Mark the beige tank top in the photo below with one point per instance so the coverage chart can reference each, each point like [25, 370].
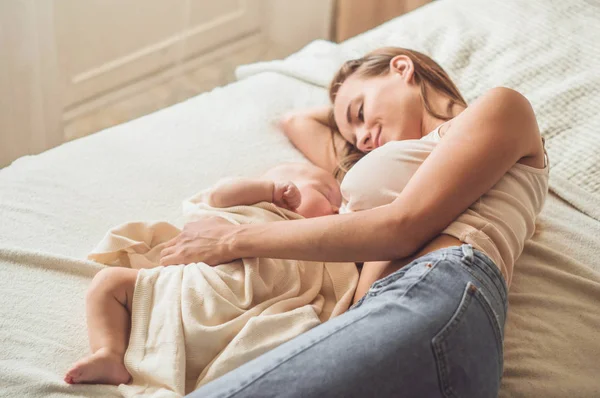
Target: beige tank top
[498, 223]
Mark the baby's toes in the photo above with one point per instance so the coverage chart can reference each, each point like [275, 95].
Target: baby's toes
[73, 374]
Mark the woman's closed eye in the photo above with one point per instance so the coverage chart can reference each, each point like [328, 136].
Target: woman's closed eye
[361, 115]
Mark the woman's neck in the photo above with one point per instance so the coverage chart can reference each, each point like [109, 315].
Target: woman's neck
[440, 104]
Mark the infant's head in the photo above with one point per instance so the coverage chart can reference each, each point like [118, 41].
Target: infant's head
[320, 191]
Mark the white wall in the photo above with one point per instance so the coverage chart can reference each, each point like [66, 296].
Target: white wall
[30, 103]
[45, 90]
[293, 24]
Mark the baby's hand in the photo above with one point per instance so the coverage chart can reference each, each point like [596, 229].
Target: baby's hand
[287, 195]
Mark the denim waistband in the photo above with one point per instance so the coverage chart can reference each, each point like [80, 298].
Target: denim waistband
[480, 266]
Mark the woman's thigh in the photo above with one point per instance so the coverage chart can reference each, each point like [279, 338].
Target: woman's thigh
[424, 331]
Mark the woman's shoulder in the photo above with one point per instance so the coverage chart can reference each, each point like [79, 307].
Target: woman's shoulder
[505, 93]
[504, 103]
[510, 106]
[500, 102]
[500, 99]
[506, 115]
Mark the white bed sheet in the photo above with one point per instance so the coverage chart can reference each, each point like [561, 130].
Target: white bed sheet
[54, 207]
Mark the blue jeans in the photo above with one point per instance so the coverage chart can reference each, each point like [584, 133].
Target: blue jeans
[434, 328]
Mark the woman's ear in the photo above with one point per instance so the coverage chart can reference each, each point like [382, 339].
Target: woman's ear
[403, 65]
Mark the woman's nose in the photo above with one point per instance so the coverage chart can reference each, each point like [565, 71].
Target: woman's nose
[364, 142]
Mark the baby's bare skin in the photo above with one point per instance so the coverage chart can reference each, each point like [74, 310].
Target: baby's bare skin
[108, 303]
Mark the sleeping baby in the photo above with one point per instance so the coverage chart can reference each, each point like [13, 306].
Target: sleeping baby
[137, 318]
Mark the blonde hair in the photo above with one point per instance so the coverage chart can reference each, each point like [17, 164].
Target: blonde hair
[376, 63]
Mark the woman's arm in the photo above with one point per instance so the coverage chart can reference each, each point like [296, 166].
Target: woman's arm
[480, 146]
[310, 132]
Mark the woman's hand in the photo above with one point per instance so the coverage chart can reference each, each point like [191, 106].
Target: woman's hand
[200, 241]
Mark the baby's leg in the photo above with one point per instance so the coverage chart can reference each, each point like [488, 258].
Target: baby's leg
[108, 307]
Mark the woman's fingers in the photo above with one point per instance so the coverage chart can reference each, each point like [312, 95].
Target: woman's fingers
[171, 259]
[167, 251]
[172, 242]
[198, 242]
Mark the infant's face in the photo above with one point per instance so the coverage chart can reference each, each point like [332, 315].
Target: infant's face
[319, 198]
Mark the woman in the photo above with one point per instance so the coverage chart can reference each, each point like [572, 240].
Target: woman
[431, 323]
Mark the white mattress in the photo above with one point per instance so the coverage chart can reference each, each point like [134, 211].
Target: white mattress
[54, 207]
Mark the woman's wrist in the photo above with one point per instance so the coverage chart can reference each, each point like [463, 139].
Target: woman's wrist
[236, 243]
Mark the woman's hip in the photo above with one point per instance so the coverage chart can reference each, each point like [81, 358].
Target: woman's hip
[373, 271]
[453, 300]
[443, 270]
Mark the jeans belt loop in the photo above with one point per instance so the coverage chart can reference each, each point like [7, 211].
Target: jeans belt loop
[467, 254]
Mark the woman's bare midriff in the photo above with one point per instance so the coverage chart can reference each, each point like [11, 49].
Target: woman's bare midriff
[375, 270]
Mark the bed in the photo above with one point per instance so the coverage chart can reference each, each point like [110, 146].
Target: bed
[56, 206]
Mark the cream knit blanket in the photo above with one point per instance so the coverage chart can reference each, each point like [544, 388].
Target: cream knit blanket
[193, 323]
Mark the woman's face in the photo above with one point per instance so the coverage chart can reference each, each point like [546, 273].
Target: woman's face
[371, 111]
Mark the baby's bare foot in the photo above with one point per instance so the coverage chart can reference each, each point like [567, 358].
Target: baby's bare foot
[102, 367]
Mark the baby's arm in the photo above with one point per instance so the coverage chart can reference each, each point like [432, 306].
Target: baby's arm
[243, 191]
[236, 192]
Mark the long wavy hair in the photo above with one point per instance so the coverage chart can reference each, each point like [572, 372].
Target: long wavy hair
[427, 73]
